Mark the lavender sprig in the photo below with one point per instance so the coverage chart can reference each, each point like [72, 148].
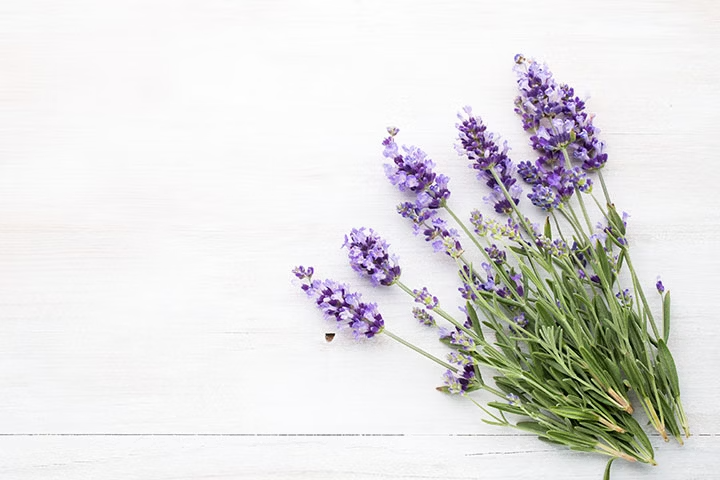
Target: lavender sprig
[483, 150]
[338, 303]
[413, 172]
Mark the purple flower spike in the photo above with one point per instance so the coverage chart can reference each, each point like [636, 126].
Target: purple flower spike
[560, 127]
[338, 303]
[412, 171]
[368, 255]
[479, 145]
[434, 229]
[485, 153]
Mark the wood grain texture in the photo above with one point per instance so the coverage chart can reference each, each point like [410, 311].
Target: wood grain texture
[163, 165]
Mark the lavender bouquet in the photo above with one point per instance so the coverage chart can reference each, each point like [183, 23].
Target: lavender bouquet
[546, 314]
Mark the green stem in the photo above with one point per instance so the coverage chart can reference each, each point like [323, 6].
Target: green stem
[474, 239]
[419, 350]
[604, 187]
[462, 225]
[568, 165]
[510, 200]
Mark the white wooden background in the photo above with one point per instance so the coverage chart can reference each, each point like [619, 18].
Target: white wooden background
[165, 163]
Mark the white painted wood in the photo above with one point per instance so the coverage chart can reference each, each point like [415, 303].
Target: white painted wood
[164, 164]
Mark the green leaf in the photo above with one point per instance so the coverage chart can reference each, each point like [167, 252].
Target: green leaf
[474, 319]
[532, 427]
[548, 228]
[607, 468]
[506, 407]
[507, 386]
[601, 309]
[544, 312]
[612, 368]
[574, 413]
[666, 316]
[520, 251]
[583, 449]
[594, 367]
[548, 440]
[633, 427]
[529, 273]
[666, 358]
[542, 398]
[621, 259]
[602, 259]
[571, 440]
[615, 220]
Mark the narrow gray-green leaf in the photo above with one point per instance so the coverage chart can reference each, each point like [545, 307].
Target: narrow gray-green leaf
[666, 316]
[607, 468]
[532, 427]
[474, 319]
[666, 358]
[548, 228]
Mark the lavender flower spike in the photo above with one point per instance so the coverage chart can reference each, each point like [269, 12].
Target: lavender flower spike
[338, 303]
[556, 115]
[434, 229]
[483, 150]
[562, 132]
[413, 171]
[368, 255]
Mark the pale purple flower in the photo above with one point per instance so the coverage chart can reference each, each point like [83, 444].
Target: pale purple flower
[486, 155]
[338, 303]
[560, 126]
[412, 171]
[369, 256]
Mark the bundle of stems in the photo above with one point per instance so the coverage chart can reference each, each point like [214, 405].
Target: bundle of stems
[572, 351]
